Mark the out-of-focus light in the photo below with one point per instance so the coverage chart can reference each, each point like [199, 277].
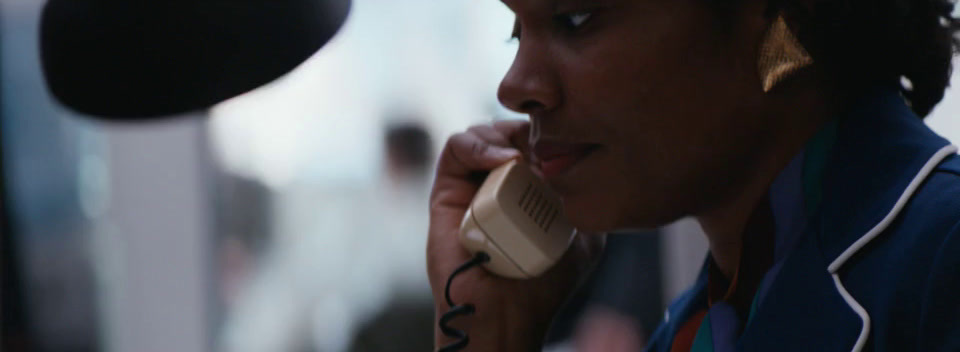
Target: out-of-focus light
[945, 118]
[93, 185]
[322, 123]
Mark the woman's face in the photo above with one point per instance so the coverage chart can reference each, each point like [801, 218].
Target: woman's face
[642, 111]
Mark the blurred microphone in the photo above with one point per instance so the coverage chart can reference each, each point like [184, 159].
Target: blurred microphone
[142, 59]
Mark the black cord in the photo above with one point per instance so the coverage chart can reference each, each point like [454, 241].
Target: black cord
[458, 310]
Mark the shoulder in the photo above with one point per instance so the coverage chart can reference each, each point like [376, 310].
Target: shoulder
[951, 165]
[928, 222]
[908, 277]
[935, 209]
[939, 303]
[920, 229]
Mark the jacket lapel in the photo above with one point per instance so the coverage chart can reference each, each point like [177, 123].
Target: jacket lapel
[802, 308]
[881, 146]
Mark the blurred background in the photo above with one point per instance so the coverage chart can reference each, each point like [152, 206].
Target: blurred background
[292, 218]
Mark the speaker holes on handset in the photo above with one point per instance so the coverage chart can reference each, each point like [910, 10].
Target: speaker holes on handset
[542, 216]
[553, 216]
[532, 203]
[526, 193]
[541, 212]
[538, 207]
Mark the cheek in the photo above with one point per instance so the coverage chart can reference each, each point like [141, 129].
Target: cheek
[592, 212]
[617, 192]
[669, 111]
[608, 207]
[668, 72]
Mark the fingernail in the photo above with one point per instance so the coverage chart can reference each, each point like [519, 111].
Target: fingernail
[504, 153]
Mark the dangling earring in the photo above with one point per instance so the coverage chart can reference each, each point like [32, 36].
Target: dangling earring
[781, 55]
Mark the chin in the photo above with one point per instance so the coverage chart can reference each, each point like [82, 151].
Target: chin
[591, 216]
[591, 226]
[600, 215]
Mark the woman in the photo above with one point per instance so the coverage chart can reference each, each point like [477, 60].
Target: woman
[790, 129]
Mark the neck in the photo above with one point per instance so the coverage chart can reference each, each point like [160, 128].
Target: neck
[798, 111]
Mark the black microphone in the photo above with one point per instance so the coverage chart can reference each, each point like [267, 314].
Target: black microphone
[143, 59]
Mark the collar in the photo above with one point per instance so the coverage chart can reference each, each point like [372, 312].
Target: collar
[774, 227]
[881, 146]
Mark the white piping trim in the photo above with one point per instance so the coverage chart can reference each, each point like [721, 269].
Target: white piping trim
[897, 207]
[852, 302]
[873, 233]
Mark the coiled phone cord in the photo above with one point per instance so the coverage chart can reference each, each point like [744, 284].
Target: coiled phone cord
[458, 310]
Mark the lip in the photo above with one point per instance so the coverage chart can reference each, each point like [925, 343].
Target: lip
[556, 158]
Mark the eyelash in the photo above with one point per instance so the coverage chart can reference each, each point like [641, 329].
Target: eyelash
[565, 21]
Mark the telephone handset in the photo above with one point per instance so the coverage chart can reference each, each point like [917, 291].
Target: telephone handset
[518, 222]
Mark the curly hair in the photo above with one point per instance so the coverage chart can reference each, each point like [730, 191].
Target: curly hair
[865, 42]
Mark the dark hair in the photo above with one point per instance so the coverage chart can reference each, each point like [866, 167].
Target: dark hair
[865, 42]
[409, 146]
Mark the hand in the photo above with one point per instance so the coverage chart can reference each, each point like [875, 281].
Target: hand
[511, 315]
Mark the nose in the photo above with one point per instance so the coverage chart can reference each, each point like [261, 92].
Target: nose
[530, 86]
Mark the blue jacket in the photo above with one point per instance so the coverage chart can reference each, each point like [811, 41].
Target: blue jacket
[879, 266]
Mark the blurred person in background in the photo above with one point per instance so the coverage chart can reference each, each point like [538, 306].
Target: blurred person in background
[792, 130]
[243, 214]
[351, 267]
[409, 160]
[619, 304]
[625, 295]
[407, 319]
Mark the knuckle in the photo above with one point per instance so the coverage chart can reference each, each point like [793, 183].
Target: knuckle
[464, 149]
[456, 139]
[479, 147]
[457, 142]
[487, 132]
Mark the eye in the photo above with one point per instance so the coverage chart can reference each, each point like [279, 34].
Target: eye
[515, 34]
[573, 20]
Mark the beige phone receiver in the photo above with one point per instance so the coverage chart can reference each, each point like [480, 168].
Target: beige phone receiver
[518, 222]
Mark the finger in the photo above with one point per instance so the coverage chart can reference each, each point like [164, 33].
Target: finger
[517, 131]
[491, 135]
[466, 153]
[443, 255]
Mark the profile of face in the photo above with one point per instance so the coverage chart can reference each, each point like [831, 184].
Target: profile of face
[658, 100]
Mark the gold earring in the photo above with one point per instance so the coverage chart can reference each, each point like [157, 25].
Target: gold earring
[781, 55]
